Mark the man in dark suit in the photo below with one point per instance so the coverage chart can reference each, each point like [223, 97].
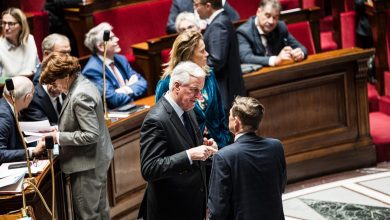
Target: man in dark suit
[222, 45]
[247, 177]
[172, 151]
[265, 40]
[11, 146]
[123, 83]
[47, 99]
[179, 6]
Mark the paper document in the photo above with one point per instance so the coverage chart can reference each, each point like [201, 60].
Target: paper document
[37, 166]
[35, 126]
[12, 183]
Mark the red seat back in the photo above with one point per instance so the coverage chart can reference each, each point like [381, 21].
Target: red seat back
[302, 32]
[289, 4]
[32, 5]
[348, 27]
[137, 22]
[245, 8]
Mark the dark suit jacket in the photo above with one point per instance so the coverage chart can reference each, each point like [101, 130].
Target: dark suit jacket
[179, 6]
[222, 45]
[247, 180]
[11, 148]
[40, 108]
[252, 49]
[93, 71]
[176, 189]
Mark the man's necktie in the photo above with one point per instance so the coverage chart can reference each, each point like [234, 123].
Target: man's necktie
[117, 75]
[187, 125]
[59, 106]
[269, 45]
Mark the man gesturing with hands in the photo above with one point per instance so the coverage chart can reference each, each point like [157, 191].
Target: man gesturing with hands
[172, 151]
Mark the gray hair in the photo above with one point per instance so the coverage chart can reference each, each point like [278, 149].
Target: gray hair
[94, 36]
[49, 41]
[275, 4]
[186, 16]
[22, 85]
[183, 72]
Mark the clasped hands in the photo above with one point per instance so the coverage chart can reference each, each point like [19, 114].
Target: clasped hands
[289, 54]
[125, 89]
[204, 151]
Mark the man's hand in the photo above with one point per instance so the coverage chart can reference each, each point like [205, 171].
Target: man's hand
[297, 54]
[210, 142]
[40, 148]
[133, 79]
[201, 152]
[285, 54]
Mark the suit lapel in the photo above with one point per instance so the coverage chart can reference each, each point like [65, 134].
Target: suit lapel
[46, 102]
[109, 73]
[177, 122]
[78, 79]
[258, 43]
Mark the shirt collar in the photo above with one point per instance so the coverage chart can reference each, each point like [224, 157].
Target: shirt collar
[108, 60]
[51, 97]
[239, 135]
[11, 106]
[174, 105]
[261, 32]
[211, 18]
[9, 45]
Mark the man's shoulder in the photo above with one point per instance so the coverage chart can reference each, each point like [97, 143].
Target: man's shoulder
[93, 63]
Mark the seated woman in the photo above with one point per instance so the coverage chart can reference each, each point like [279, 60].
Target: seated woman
[186, 21]
[122, 82]
[209, 111]
[18, 50]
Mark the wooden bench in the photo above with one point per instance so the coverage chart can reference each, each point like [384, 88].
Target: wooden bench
[148, 53]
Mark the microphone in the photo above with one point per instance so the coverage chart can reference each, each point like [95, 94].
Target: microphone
[49, 142]
[9, 84]
[106, 37]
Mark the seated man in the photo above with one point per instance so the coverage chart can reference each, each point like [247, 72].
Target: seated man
[11, 146]
[179, 6]
[265, 40]
[47, 100]
[123, 83]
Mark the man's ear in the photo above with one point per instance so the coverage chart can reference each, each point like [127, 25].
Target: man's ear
[100, 47]
[176, 86]
[237, 123]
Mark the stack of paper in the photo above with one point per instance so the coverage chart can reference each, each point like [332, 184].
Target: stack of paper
[12, 183]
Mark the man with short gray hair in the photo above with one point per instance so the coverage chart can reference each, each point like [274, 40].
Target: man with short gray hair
[11, 145]
[123, 83]
[173, 152]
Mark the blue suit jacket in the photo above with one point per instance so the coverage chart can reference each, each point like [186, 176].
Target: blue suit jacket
[11, 148]
[40, 108]
[93, 71]
[252, 49]
[222, 45]
[179, 6]
[247, 180]
[212, 116]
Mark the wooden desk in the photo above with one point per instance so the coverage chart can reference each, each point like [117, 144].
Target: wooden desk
[318, 108]
[11, 202]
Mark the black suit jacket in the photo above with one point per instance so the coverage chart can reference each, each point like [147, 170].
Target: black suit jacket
[176, 189]
[252, 49]
[222, 45]
[179, 6]
[11, 148]
[247, 180]
[40, 108]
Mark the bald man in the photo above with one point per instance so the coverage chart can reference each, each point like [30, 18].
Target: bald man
[11, 146]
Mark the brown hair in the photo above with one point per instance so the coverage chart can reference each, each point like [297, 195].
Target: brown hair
[183, 49]
[58, 66]
[274, 4]
[250, 112]
[22, 20]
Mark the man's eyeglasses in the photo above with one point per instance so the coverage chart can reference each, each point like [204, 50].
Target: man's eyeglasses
[10, 24]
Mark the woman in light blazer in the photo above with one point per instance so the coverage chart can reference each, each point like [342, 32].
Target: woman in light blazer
[85, 145]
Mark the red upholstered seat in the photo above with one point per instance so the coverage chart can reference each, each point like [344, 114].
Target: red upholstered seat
[245, 8]
[384, 105]
[348, 27]
[373, 98]
[302, 32]
[165, 55]
[32, 5]
[379, 129]
[136, 23]
[39, 28]
[327, 42]
[387, 83]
